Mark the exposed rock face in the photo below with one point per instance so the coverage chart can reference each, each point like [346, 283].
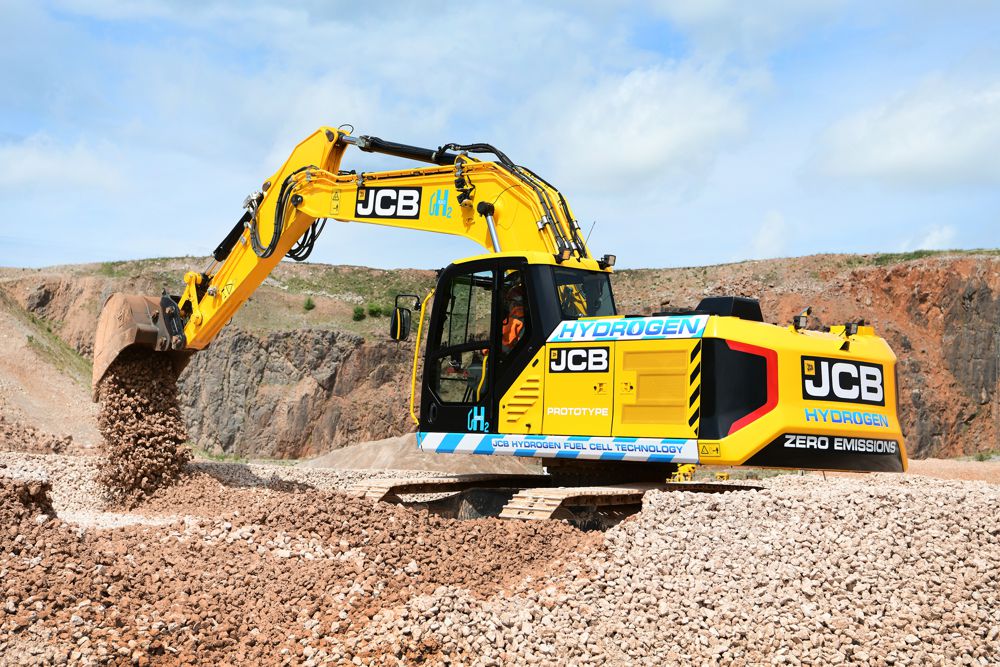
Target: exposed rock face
[943, 321]
[294, 393]
[971, 337]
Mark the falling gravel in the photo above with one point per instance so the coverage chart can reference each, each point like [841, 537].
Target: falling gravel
[141, 423]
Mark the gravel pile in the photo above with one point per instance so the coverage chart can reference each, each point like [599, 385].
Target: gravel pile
[270, 568]
[70, 479]
[18, 437]
[293, 572]
[263, 474]
[140, 421]
[884, 570]
[76, 492]
[21, 500]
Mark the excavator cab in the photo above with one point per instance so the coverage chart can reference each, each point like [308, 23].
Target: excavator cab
[490, 320]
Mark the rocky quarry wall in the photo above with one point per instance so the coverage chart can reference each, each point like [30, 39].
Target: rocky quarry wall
[295, 394]
[303, 392]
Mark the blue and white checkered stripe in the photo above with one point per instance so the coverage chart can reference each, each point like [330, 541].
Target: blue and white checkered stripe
[657, 450]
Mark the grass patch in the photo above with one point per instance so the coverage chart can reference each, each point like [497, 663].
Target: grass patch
[367, 285]
[112, 269]
[57, 353]
[884, 259]
[890, 258]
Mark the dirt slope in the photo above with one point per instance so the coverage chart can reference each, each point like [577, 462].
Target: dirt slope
[43, 383]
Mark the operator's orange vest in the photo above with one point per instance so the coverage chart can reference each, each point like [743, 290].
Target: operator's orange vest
[513, 326]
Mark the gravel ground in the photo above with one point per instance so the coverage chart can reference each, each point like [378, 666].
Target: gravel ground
[16, 436]
[278, 573]
[887, 570]
[269, 564]
[76, 493]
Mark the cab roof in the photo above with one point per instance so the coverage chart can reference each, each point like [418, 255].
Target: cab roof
[535, 257]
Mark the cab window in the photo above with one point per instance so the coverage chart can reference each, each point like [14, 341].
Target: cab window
[460, 361]
[583, 293]
[467, 318]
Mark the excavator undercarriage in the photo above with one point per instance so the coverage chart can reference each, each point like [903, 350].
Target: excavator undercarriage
[530, 497]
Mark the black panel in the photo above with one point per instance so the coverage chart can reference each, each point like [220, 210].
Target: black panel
[731, 306]
[733, 385]
[828, 452]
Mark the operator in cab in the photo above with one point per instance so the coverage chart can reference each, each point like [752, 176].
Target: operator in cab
[513, 323]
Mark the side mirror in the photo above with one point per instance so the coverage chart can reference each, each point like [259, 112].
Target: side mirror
[399, 324]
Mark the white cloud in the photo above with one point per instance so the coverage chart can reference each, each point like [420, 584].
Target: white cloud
[939, 133]
[937, 237]
[676, 148]
[771, 238]
[662, 124]
[39, 162]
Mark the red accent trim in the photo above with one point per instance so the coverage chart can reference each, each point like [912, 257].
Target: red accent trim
[771, 358]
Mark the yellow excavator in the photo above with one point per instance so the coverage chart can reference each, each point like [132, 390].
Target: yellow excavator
[525, 351]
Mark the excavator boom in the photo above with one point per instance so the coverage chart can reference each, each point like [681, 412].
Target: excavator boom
[494, 203]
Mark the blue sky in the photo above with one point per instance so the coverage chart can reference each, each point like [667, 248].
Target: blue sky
[691, 132]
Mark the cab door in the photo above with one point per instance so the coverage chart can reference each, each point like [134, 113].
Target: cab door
[461, 346]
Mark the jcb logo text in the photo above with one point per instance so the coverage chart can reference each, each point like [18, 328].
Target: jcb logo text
[388, 203]
[842, 381]
[579, 360]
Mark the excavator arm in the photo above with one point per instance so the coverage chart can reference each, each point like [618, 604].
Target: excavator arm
[495, 203]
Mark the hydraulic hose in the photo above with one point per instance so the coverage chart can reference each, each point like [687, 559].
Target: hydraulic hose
[280, 207]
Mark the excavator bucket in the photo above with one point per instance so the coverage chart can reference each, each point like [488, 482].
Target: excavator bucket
[133, 320]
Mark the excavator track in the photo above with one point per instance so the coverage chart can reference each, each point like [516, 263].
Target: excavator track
[391, 490]
[530, 499]
[545, 503]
